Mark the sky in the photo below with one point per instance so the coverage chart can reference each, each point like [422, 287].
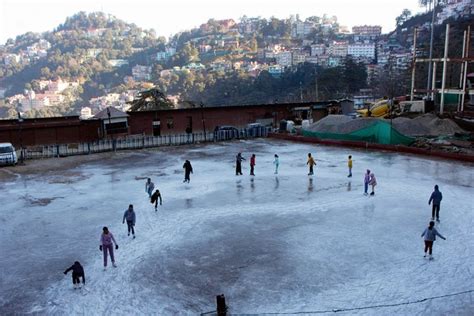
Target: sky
[171, 16]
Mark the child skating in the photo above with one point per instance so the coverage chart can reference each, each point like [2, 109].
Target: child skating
[155, 197]
[311, 164]
[276, 162]
[149, 186]
[366, 182]
[188, 169]
[77, 274]
[430, 234]
[130, 217]
[373, 183]
[252, 165]
[107, 242]
[349, 165]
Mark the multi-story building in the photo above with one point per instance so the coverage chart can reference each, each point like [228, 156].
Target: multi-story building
[311, 59]
[141, 73]
[366, 32]
[298, 57]
[86, 113]
[284, 58]
[361, 50]
[318, 49]
[338, 48]
[276, 70]
[301, 29]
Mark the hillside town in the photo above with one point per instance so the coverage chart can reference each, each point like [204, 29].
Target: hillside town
[219, 48]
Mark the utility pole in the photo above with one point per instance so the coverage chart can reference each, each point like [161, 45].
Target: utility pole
[301, 91]
[316, 82]
[428, 84]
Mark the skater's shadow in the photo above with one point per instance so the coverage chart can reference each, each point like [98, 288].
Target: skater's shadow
[368, 211]
[277, 182]
[310, 185]
[349, 186]
[252, 185]
[188, 203]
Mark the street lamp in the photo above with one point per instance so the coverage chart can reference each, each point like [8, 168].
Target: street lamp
[20, 121]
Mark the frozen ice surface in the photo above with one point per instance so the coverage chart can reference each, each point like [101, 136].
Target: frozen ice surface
[270, 243]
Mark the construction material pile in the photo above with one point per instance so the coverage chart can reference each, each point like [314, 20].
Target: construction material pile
[424, 125]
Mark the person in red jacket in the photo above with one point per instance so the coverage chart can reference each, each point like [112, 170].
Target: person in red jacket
[252, 165]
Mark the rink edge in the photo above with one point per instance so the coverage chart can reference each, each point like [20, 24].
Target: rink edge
[367, 145]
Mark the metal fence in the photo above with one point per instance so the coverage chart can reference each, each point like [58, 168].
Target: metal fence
[140, 142]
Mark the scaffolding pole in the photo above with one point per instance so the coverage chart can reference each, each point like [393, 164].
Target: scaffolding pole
[466, 45]
[413, 66]
[445, 66]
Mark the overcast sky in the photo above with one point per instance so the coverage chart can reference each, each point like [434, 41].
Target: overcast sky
[171, 16]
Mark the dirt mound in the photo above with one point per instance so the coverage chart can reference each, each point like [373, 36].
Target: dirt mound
[340, 124]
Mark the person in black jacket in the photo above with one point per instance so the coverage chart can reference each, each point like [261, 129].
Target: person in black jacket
[188, 169]
[77, 273]
[238, 164]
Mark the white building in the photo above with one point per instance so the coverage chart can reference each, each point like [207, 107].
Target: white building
[275, 70]
[338, 48]
[298, 58]
[284, 59]
[86, 113]
[140, 72]
[302, 29]
[318, 49]
[361, 50]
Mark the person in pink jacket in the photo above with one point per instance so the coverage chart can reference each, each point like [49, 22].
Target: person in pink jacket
[107, 242]
[373, 183]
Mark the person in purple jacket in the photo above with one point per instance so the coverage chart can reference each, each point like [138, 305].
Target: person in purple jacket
[366, 182]
[107, 242]
[429, 235]
[130, 217]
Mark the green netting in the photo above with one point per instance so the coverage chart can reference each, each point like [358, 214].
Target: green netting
[380, 132]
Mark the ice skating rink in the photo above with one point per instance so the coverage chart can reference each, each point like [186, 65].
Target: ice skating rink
[271, 243]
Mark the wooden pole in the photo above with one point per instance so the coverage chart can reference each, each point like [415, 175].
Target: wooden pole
[433, 81]
[445, 68]
[461, 74]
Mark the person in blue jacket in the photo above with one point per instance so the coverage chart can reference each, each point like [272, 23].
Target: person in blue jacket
[436, 198]
[129, 216]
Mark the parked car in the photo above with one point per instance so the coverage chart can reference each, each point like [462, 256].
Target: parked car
[7, 154]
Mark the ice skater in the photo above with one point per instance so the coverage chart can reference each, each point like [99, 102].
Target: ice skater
[349, 165]
[311, 163]
[149, 186]
[373, 183]
[238, 164]
[188, 169]
[130, 217]
[436, 198]
[155, 197]
[430, 234]
[77, 273]
[366, 182]
[107, 242]
[276, 162]
[252, 165]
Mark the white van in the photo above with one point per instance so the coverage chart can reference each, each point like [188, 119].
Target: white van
[7, 154]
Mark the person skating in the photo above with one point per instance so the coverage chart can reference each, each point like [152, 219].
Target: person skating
[366, 182]
[349, 165]
[276, 162]
[311, 163]
[373, 183]
[77, 273]
[252, 165]
[107, 242]
[149, 186]
[130, 217]
[155, 197]
[238, 164]
[436, 198]
[429, 235]
[188, 169]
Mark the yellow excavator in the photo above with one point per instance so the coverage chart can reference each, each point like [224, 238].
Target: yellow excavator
[378, 109]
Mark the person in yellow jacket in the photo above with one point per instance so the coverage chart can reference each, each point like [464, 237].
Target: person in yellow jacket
[349, 164]
[311, 163]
